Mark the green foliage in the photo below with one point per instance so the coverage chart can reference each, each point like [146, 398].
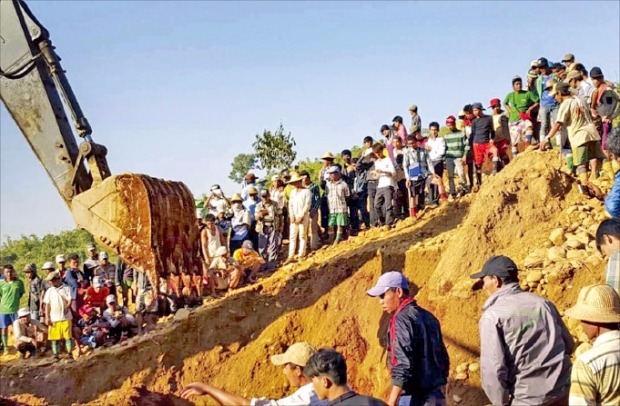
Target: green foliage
[34, 249]
[443, 131]
[241, 165]
[274, 150]
[313, 166]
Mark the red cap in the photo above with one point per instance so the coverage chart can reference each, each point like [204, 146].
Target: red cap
[495, 103]
[451, 119]
[85, 310]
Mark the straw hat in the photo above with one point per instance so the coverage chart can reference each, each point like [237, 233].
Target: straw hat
[236, 198]
[296, 178]
[328, 155]
[596, 303]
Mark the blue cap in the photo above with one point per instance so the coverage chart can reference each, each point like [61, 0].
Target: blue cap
[333, 169]
[388, 280]
[477, 106]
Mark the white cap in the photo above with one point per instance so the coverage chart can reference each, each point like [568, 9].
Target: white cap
[48, 266]
[97, 282]
[103, 255]
[24, 311]
[60, 258]
[110, 299]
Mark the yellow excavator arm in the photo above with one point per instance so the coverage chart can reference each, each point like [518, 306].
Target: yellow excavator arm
[150, 223]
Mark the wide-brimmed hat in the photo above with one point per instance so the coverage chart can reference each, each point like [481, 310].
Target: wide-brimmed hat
[236, 198]
[24, 311]
[328, 155]
[48, 266]
[596, 303]
[52, 275]
[298, 354]
[296, 178]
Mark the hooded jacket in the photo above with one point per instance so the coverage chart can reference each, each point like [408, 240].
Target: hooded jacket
[524, 349]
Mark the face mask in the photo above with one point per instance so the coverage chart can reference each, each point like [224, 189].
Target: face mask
[237, 206]
[218, 192]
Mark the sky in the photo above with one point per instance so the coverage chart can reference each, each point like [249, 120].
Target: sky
[176, 89]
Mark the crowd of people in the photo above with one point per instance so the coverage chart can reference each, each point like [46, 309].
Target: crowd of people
[525, 346]
[406, 172]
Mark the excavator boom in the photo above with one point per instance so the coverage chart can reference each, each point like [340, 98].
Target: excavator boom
[150, 223]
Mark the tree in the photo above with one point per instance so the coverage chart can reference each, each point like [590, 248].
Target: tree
[274, 150]
[241, 165]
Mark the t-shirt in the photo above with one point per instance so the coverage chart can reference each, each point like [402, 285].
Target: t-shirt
[94, 298]
[355, 399]
[246, 259]
[59, 300]
[385, 169]
[575, 116]
[519, 102]
[10, 293]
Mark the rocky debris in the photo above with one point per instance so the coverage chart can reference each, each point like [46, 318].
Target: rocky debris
[474, 367]
[534, 276]
[556, 254]
[557, 237]
[457, 399]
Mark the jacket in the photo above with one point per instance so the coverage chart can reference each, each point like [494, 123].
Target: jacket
[417, 357]
[524, 348]
[612, 201]
[414, 157]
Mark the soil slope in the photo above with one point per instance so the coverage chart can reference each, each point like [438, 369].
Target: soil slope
[322, 300]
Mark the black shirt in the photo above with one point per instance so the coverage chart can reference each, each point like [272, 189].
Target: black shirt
[482, 130]
[355, 399]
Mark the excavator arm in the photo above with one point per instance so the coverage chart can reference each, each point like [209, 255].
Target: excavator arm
[148, 222]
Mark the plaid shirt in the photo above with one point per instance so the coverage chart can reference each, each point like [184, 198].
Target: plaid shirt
[613, 271]
[337, 194]
[417, 156]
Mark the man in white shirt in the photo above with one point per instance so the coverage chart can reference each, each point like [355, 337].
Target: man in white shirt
[436, 147]
[30, 334]
[299, 216]
[384, 199]
[57, 301]
[294, 361]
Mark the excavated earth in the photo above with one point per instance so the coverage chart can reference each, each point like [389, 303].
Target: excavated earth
[531, 212]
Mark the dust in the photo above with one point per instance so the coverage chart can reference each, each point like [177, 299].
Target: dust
[322, 300]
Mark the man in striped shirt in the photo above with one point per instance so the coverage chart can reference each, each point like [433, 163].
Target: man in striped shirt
[595, 378]
[608, 242]
[337, 195]
[418, 167]
[455, 151]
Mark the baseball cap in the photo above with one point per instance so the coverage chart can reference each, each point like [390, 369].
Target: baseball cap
[333, 169]
[516, 79]
[250, 176]
[103, 255]
[498, 265]
[52, 275]
[477, 106]
[413, 107]
[534, 63]
[345, 152]
[30, 268]
[558, 65]
[60, 258]
[47, 266]
[450, 119]
[264, 192]
[574, 74]
[596, 72]
[215, 187]
[91, 247]
[110, 299]
[495, 103]
[24, 311]
[561, 87]
[85, 310]
[298, 354]
[568, 58]
[392, 279]
[247, 244]
[97, 282]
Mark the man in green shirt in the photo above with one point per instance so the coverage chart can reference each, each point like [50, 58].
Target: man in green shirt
[519, 104]
[11, 291]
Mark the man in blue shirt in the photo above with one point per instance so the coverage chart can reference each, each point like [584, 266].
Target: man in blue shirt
[548, 106]
[612, 202]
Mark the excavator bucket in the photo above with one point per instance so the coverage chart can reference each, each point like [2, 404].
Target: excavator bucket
[150, 223]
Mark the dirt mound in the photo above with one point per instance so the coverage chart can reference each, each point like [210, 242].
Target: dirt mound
[322, 300]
